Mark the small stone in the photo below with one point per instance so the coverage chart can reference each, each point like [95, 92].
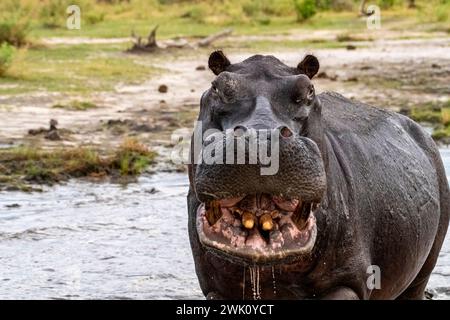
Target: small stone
[163, 88]
[152, 190]
[13, 205]
[352, 79]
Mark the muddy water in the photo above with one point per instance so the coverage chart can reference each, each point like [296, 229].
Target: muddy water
[85, 240]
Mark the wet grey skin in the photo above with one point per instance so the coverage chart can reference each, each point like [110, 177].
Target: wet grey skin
[357, 186]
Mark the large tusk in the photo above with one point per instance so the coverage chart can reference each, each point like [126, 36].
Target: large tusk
[301, 215]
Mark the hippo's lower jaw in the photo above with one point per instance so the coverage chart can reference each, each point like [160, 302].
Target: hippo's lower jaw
[281, 231]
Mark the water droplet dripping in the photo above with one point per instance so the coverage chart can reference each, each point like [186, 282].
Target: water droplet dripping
[243, 285]
[258, 287]
[254, 279]
[273, 281]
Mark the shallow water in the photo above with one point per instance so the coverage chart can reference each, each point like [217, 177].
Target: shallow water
[87, 240]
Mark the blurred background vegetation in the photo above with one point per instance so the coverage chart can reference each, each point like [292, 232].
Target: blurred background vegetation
[115, 18]
[25, 23]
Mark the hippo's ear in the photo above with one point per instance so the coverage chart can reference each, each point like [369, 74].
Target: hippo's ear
[309, 66]
[217, 62]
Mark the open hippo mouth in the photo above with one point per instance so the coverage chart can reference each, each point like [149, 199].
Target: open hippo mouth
[258, 228]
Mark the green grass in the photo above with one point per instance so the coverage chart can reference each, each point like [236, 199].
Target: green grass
[173, 22]
[75, 69]
[441, 133]
[434, 112]
[76, 105]
[20, 166]
[171, 27]
[262, 45]
[426, 115]
[438, 114]
[6, 57]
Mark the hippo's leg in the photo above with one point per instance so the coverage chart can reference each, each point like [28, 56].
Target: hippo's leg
[341, 293]
[416, 291]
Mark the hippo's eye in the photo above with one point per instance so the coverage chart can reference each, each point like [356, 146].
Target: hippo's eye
[310, 94]
[305, 96]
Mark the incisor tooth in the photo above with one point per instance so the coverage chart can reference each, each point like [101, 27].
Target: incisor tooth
[248, 220]
[266, 222]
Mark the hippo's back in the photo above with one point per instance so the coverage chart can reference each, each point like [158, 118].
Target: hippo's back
[396, 184]
[343, 115]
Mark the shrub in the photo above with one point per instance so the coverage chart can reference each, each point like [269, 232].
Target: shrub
[435, 12]
[6, 57]
[264, 20]
[305, 9]
[269, 8]
[445, 115]
[14, 32]
[251, 8]
[342, 5]
[386, 4]
[196, 14]
[324, 4]
[442, 12]
[94, 18]
[53, 13]
[14, 27]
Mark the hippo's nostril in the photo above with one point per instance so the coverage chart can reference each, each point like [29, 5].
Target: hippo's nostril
[239, 131]
[285, 132]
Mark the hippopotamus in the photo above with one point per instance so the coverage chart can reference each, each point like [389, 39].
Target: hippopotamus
[360, 192]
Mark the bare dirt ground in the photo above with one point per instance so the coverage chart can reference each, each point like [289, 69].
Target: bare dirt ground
[384, 71]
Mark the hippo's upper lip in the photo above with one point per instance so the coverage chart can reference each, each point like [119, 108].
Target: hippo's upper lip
[277, 231]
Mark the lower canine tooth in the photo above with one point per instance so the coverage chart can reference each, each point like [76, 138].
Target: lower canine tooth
[301, 215]
[266, 222]
[248, 220]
